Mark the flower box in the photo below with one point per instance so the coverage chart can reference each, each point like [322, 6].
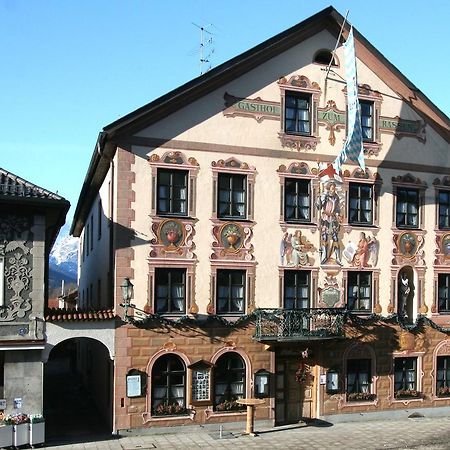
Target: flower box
[407, 394]
[443, 391]
[173, 409]
[37, 432]
[21, 434]
[361, 397]
[229, 406]
[6, 435]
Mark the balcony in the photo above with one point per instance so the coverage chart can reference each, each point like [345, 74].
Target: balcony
[283, 325]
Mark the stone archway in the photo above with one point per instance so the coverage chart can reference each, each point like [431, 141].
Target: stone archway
[78, 383]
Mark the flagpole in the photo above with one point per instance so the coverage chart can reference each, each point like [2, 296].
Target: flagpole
[337, 44]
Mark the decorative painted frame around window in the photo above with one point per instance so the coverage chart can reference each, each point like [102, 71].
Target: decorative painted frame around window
[360, 351]
[174, 160]
[409, 182]
[418, 356]
[190, 305]
[375, 306]
[300, 85]
[367, 178]
[313, 283]
[441, 350]
[249, 287]
[298, 171]
[368, 95]
[233, 166]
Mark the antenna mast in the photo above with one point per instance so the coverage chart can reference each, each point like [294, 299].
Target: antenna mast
[205, 45]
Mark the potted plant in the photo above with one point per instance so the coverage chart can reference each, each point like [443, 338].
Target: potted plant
[443, 391]
[171, 409]
[361, 397]
[229, 405]
[19, 422]
[37, 429]
[407, 393]
[6, 434]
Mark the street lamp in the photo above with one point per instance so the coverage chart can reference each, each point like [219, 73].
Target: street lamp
[127, 294]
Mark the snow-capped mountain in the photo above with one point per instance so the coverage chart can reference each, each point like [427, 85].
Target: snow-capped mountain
[64, 259]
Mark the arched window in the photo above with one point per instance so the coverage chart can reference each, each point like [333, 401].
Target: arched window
[324, 57]
[229, 382]
[168, 386]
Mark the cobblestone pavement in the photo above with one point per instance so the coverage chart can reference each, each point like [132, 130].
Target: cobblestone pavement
[418, 434]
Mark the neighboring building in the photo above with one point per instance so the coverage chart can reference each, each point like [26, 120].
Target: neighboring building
[30, 219]
[245, 263]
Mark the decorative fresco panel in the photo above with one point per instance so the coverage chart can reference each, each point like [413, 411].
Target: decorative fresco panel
[232, 241]
[295, 250]
[256, 108]
[408, 248]
[364, 253]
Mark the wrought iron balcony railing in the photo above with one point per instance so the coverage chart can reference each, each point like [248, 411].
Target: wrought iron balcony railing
[298, 324]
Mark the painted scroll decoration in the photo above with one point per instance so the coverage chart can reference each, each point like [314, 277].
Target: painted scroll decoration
[332, 118]
[255, 108]
[331, 295]
[232, 241]
[15, 248]
[173, 238]
[408, 248]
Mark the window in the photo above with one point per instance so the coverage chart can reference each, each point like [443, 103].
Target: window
[86, 239]
[229, 382]
[297, 113]
[444, 210]
[443, 376]
[168, 386]
[297, 200]
[444, 293]
[367, 120]
[2, 281]
[359, 377]
[99, 219]
[360, 204]
[405, 375]
[170, 288]
[231, 203]
[230, 291]
[359, 291]
[92, 232]
[172, 192]
[324, 57]
[296, 289]
[99, 292]
[407, 208]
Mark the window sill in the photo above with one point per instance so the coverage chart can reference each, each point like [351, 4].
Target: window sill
[298, 141]
[210, 414]
[148, 417]
[289, 224]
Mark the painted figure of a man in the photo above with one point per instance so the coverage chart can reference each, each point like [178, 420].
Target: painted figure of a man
[330, 210]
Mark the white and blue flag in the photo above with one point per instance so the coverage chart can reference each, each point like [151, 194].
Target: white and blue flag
[353, 146]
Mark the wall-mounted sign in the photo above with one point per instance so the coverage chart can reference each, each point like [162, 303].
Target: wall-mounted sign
[18, 403]
[136, 383]
[403, 127]
[2, 403]
[257, 108]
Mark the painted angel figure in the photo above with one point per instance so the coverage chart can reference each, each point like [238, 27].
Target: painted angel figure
[366, 250]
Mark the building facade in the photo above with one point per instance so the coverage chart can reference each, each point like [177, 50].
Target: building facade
[256, 277]
[30, 219]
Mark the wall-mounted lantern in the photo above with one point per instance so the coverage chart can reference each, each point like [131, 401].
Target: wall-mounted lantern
[332, 383]
[136, 383]
[127, 294]
[261, 384]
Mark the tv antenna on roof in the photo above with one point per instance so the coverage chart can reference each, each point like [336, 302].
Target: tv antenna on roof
[206, 48]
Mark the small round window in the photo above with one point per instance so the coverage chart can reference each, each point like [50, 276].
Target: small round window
[325, 57]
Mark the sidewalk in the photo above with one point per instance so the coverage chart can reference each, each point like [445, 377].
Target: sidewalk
[417, 433]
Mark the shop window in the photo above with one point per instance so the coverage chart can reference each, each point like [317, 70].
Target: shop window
[444, 293]
[359, 378]
[407, 211]
[170, 291]
[297, 113]
[168, 386]
[229, 383]
[232, 198]
[297, 200]
[296, 289]
[230, 291]
[405, 377]
[443, 376]
[172, 198]
[360, 204]
[359, 291]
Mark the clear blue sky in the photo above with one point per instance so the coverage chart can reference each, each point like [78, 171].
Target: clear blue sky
[71, 67]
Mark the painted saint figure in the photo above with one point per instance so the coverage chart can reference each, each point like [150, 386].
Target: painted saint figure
[329, 205]
[403, 293]
[286, 249]
[299, 256]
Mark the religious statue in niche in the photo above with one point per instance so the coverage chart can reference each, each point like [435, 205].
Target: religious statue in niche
[294, 249]
[329, 204]
[405, 293]
[365, 254]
